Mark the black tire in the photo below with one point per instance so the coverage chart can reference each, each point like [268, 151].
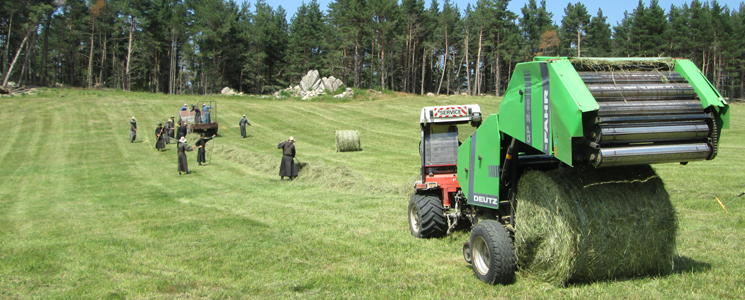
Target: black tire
[467, 255]
[493, 254]
[426, 217]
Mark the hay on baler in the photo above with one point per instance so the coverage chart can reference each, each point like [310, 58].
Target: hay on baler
[347, 140]
[583, 224]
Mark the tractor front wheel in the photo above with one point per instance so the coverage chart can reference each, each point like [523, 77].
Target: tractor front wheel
[426, 217]
[493, 255]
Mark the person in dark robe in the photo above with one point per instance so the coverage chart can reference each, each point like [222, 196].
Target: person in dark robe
[197, 114]
[181, 132]
[183, 165]
[160, 137]
[132, 130]
[201, 148]
[206, 113]
[287, 166]
[166, 131]
[243, 124]
[171, 130]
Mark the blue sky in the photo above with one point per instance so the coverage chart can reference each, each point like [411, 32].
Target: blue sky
[612, 9]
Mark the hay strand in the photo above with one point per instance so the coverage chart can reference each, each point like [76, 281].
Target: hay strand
[347, 140]
[583, 224]
[629, 64]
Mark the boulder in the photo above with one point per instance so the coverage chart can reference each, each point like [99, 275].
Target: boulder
[227, 91]
[430, 94]
[310, 81]
[331, 84]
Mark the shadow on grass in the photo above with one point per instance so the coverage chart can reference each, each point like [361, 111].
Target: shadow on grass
[682, 265]
[688, 265]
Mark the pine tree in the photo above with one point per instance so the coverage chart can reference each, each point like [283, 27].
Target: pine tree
[573, 29]
[622, 36]
[534, 22]
[598, 42]
[654, 28]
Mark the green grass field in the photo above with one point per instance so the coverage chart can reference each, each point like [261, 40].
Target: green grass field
[85, 214]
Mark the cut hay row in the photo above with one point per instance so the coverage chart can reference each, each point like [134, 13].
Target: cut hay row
[636, 64]
[333, 177]
[578, 224]
[347, 140]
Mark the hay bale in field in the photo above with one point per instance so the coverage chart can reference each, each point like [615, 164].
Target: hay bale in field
[347, 140]
[583, 224]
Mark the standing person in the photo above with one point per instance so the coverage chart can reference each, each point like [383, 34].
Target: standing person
[172, 126]
[132, 130]
[206, 113]
[160, 143]
[197, 114]
[287, 167]
[183, 165]
[202, 144]
[166, 132]
[181, 132]
[242, 124]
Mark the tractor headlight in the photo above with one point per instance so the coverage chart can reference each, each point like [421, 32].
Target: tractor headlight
[476, 117]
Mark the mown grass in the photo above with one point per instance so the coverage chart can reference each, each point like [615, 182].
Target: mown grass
[86, 214]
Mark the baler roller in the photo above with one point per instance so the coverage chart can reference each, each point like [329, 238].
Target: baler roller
[615, 108]
[630, 77]
[641, 92]
[652, 118]
[639, 155]
[651, 132]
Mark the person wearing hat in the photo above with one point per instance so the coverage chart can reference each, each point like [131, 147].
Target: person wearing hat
[172, 127]
[185, 107]
[167, 131]
[287, 166]
[132, 130]
[202, 143]
[206, 113]
[242, 124]
[197, 114]
[160, 138]
[183, 165]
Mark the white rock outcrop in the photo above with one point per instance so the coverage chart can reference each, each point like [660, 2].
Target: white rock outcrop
[310, 81]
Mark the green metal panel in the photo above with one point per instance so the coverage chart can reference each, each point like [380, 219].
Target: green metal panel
[478, 164]
[570, 94]
[706, 92]
[522, 116]
[569, 99]
[548, 128]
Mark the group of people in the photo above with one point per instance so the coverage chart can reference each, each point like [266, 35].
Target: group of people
[200, 116]
[164, 134]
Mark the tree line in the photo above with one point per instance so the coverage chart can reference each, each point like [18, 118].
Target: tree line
[201, 46]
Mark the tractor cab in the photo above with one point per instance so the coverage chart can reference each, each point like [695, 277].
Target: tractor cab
[439, 148]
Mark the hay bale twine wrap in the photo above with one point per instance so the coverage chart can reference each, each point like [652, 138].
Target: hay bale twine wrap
[347, 140]
[582, 224]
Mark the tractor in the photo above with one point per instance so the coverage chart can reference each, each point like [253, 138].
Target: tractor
[433, 207]
[557, 112]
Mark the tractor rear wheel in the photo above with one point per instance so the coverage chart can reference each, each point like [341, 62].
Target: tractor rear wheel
[493, 255]
[426, 217]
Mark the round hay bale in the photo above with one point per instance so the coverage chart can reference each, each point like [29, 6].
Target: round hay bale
[347, 140]
[583, 224]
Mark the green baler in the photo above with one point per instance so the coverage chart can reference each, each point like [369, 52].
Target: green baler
[562, 112]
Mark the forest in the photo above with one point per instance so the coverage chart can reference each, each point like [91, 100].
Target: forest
[201, 46]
